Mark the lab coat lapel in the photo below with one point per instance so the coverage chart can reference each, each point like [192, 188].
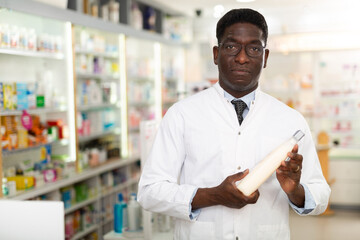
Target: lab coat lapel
[230, 115]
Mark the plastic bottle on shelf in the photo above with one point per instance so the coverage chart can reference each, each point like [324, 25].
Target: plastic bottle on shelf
[5, 36]
[134, 211]
[119, 214]
[23, 38]
[14, 37]
[32, 40]
[149, 18]
[114, 8]
[1, 34]
[48, 81]
[136, 17]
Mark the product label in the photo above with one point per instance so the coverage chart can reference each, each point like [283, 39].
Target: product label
[40, 101]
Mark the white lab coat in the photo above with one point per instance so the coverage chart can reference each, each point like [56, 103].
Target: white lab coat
[200, 143]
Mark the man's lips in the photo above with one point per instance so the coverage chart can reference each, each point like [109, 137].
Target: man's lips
[240, 71]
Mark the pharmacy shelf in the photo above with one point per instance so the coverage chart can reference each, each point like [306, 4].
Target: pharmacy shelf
[98, 107]
[141, 80]
[99, 54]
[134, 129]
[340, 117]
[121, 186]
[341, 132]
[48, 11]
[32, 111]
[24, 53]
[81, 204]
[85, 232]
[350, 95]
[141, 103]
[170, 101]
[107, 221]
[102, 77]
[59, 143]
[49, 187]
[171, 79]
[115, 131]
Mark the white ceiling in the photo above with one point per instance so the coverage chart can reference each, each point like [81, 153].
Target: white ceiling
[188, 7]
[282, 15]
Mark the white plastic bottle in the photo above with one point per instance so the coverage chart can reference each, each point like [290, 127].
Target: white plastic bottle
[268, 165]
[134, 211]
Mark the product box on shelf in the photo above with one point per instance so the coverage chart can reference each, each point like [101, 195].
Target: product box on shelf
[22, 182]
[1, 96]
[31, 95]
[10, 99]
[9, 132]
[22, 98]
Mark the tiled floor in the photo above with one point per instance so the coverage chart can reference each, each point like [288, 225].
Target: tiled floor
[342, 225]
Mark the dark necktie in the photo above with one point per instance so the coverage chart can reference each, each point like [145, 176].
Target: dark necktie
[240, 106]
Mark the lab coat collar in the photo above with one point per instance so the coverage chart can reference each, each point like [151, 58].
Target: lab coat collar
[221, 91]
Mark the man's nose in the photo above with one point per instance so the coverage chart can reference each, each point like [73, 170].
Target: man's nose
[242, 56]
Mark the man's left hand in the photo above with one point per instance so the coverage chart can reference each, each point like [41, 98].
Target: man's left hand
[289, 174]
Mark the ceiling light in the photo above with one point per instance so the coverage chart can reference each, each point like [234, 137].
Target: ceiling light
[218, 11]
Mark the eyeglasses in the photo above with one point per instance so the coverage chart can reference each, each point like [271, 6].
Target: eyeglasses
[233, 49]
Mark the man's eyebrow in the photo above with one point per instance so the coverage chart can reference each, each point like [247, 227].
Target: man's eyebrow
[233, 40]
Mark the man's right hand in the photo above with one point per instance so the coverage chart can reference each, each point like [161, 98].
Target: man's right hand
[226, 194]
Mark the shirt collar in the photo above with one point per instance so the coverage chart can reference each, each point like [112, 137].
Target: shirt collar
[248, 98]
[255, 97]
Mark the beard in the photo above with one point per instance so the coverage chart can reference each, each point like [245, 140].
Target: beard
[226, 84]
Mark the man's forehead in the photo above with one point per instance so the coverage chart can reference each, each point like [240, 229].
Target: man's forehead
[243, 31]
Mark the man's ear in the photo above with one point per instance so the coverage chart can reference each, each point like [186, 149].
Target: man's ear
[267, 52]
[215, 54]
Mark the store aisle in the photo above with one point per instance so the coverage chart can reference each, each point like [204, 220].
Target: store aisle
[342, 225]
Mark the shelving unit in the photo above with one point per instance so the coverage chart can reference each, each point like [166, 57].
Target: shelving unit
[57, 143]
[173, 74]
[115, 175]
[32, 111]
[44, 67]
[311, 84]
[144, 83]
[27, 53]
[74, 178]
[321, 79]
[97, 76]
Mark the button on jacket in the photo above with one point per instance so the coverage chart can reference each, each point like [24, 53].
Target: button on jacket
[200, 143]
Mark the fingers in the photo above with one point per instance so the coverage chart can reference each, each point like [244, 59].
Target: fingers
[231, 196]
[253, 197]
[238, 176]
[294, 165]
[295, 149]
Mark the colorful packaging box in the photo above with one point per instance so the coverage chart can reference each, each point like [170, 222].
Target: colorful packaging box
[31, 90]
[1, 96]
[10, 99]
[22, 98]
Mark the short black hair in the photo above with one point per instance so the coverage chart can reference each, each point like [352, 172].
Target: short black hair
[241, 15]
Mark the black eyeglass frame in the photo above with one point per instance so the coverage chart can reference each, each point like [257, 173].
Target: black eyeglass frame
[234, 53]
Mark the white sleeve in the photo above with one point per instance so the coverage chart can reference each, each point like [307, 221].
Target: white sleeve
[312, 175]
[159, 190]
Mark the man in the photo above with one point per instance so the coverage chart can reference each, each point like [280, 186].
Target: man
[208, 142]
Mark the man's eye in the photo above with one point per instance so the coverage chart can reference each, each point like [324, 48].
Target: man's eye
[229, 46]
[255, 49]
